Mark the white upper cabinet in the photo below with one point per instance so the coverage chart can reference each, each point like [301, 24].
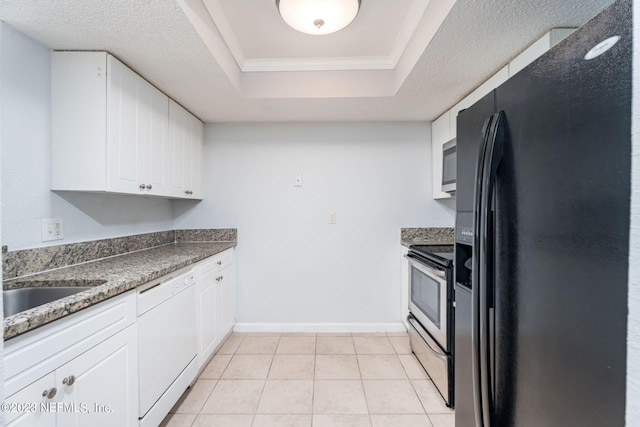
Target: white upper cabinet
[493, 82]
[128, 129]
[185, 132]
[438, 133]
[110, 128]
[156, 161]
[536, 50]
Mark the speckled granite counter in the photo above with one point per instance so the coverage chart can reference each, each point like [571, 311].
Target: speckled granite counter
[109, 277]
[427, 236]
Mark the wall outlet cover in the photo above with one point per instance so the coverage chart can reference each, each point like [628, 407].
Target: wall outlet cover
[52, 229]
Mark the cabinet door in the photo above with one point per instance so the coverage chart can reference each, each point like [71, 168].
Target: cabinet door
[195, 164]
[179, 133]
[155, 153]
[208, 312]
[439, 135]
[99, 387]
[36, 396]
[227, 300]
[125, 125]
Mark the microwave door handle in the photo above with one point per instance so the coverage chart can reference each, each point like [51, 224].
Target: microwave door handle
[475, 279]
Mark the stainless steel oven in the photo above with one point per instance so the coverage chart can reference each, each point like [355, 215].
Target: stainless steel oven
[431, 314]
[428, 297]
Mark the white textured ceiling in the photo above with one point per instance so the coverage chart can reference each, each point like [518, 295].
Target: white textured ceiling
[156, 38]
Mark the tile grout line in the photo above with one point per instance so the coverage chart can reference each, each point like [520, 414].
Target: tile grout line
[264, 385]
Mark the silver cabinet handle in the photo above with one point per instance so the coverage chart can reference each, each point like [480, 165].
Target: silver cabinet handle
[149, 186]
[142, 186]
[219, 278]
[69, 380]
[50, 393]
[219, 262]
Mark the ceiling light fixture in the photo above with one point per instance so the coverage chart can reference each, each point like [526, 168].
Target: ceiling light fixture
[318, 17]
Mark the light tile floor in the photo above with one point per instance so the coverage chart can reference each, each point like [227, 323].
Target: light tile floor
[319, 380]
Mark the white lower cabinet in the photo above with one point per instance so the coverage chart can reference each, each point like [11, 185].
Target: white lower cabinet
[87, 373]
[82, 370]
[97, 388]
[207, 315]
[404, 285]
[215, 303]
[227, 302]
[100, 386]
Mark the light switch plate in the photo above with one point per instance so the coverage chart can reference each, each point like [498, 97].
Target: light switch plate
[297, 180]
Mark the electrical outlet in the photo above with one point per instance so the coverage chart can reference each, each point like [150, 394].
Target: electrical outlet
[51, 229]
[332, 218]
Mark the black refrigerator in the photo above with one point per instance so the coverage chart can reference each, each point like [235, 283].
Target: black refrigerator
[542, 230]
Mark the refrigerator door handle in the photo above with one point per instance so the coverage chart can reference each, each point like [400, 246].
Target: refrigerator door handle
[475, 279]
[493, 158]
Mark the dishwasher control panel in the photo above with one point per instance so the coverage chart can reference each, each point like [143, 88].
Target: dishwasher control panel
[183, 284]
[159, 290]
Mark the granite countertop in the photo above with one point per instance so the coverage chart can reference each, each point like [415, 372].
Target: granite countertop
[427, 236]
[109, 277]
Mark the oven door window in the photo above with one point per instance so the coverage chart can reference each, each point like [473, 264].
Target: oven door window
[426, 294]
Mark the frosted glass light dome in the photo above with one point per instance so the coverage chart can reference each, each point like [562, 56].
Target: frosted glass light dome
[318, 17]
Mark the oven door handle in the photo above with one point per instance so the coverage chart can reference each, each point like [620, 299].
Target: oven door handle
[422, 265]
[419, 327]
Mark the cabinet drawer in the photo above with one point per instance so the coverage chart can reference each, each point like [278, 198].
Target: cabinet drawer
[216, 262]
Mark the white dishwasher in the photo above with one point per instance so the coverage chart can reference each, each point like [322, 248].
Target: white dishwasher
[167, 343]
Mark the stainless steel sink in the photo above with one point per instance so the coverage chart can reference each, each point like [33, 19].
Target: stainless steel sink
[17, 300]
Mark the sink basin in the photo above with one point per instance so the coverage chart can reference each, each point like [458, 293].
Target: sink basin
[17, 300]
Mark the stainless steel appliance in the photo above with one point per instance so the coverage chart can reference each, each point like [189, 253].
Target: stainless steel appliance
[543, 202]
[449, 157]
[431, 315]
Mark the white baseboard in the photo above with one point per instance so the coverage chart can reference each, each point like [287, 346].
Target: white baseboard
[319, 327]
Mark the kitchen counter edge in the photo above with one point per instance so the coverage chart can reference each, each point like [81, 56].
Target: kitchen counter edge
[119, 274]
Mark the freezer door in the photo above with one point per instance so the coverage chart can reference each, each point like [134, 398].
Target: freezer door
[561, 233]
[470, 124]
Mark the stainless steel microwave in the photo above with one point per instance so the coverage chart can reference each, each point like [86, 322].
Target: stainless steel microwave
[449, 167]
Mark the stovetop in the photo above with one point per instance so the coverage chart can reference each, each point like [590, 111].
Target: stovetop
[441, 254]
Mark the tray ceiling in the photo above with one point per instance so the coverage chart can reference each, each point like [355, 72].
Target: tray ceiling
[265, 58]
